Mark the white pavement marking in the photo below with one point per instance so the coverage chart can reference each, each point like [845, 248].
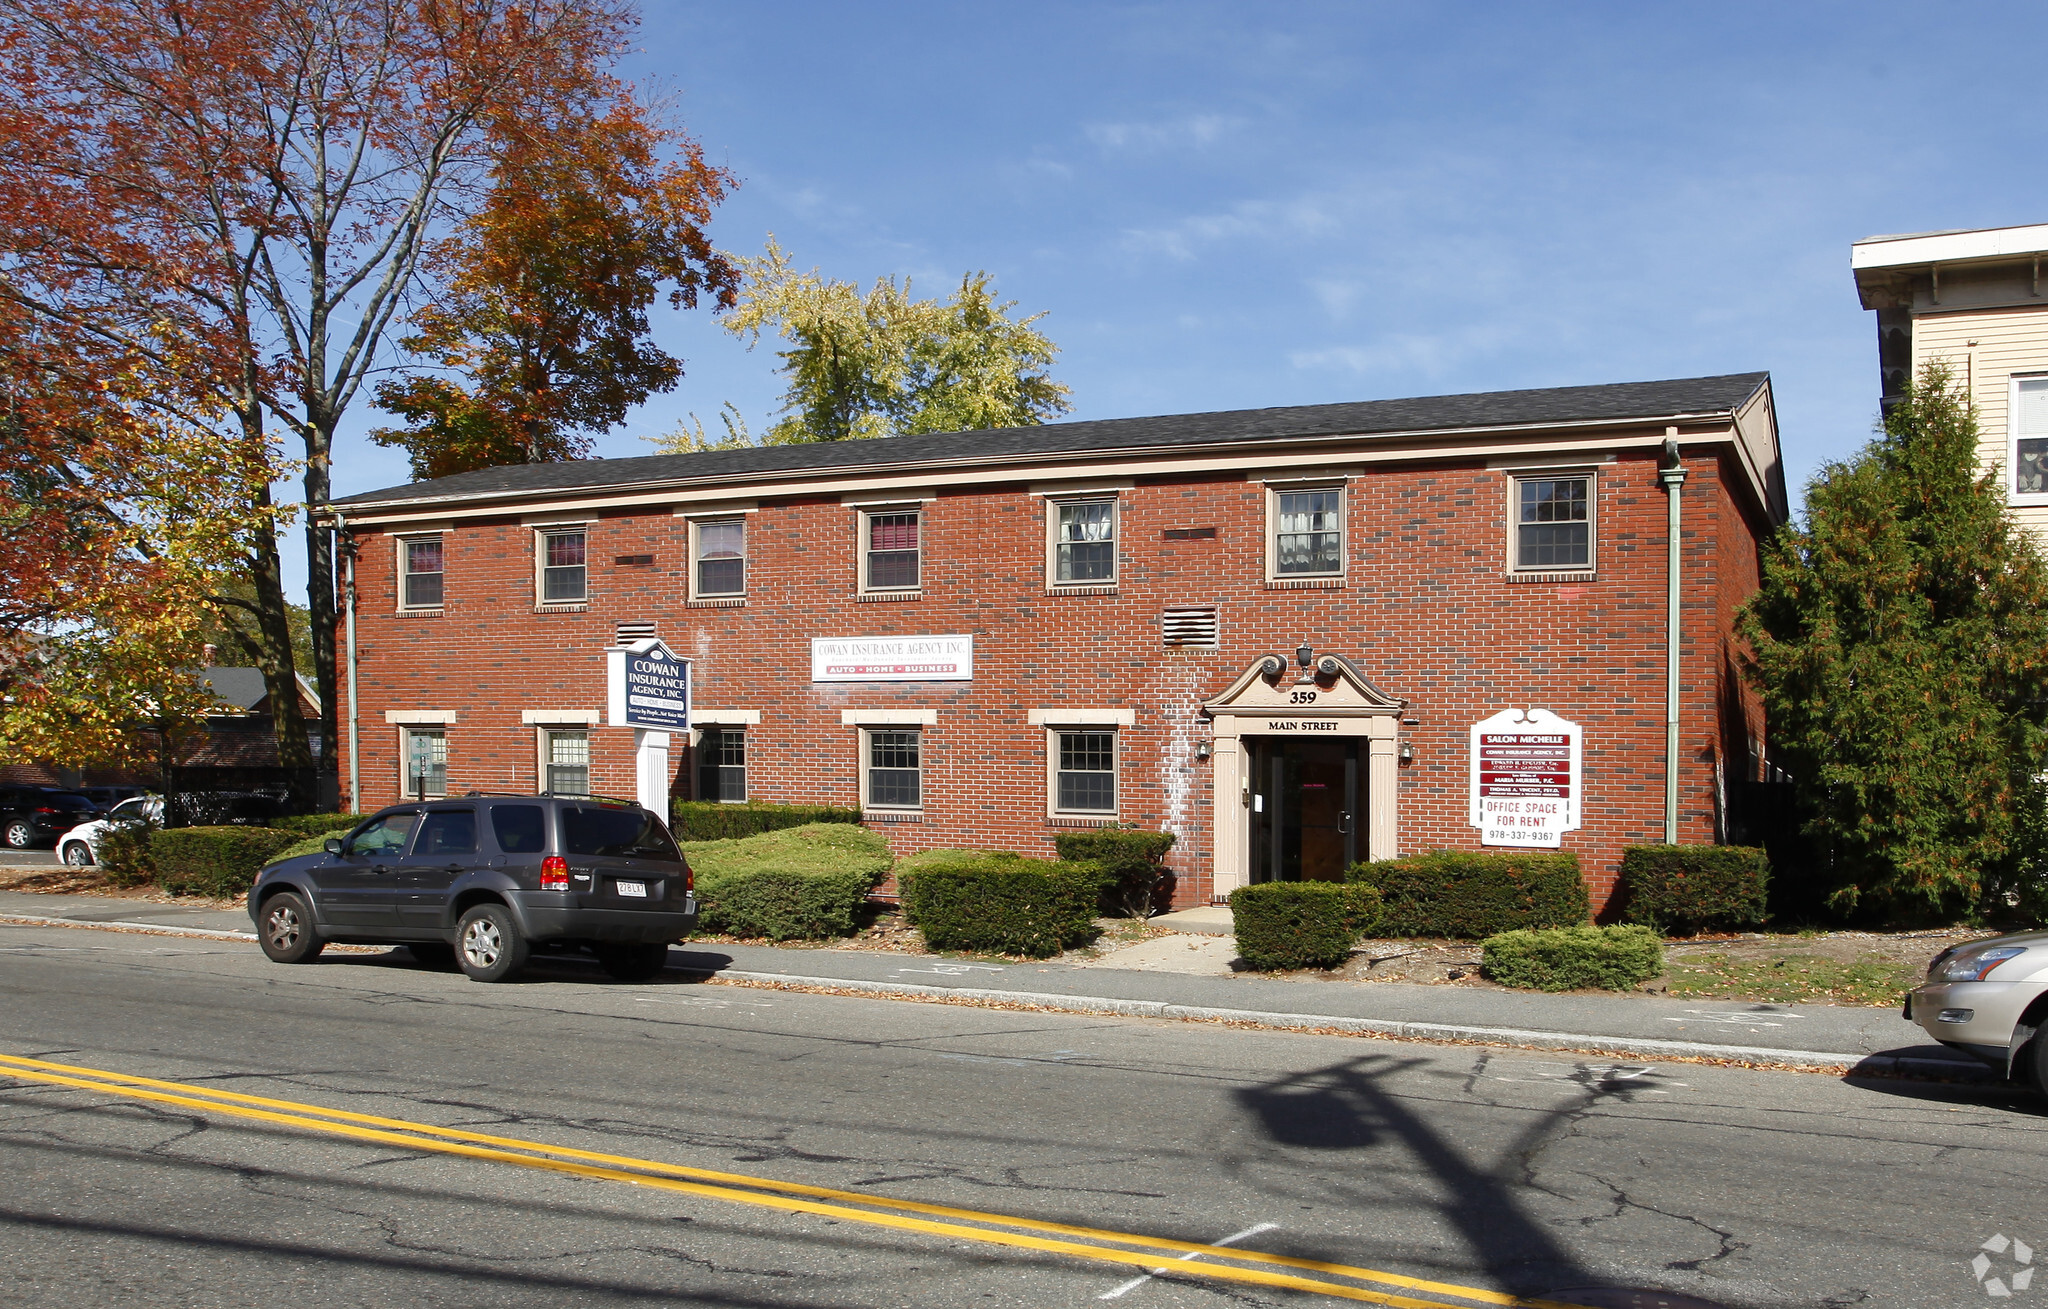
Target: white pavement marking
[950, 970]
[1137, 1282]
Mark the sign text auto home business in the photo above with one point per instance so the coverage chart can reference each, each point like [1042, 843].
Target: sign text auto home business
[1525, 778]
[892, 659]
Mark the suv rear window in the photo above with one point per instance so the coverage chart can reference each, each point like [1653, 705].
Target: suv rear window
[520, 828]
[617, 833]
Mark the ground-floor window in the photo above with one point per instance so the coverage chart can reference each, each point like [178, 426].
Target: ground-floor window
[1084, 771]
[426, 763]
[893, 773]
[565, 762]
[722, 765]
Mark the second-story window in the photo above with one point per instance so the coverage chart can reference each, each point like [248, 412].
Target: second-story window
[1308, 533]
[891, 549]
[564, 578]
[1084, 543]
[2030, 436]
[421, 561]
[721, 558]
[1553, 523]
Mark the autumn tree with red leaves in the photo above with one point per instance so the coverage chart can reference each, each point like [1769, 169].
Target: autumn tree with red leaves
[226, 205]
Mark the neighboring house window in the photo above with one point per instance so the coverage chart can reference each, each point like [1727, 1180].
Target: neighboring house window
[421, 561]
[722, 765]
[1084, 542]
[720, 558]
[891, 549]
[564, 578]
[2030, 436]
[1553, 523]
[1308, 532]
[565, 762]
[894, 772]
[426, 763]
[1084, 773]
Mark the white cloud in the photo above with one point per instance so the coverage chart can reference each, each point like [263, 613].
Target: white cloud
[1195, 130]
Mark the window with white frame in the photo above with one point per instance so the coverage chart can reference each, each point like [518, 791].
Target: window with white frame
[420, 563]
[1553, 522]
[565, 761]
[892, 769]
[1084, 771]
[1083, 542]
[891, 554]
[722, 765]
[1307, 531]
[718, 558]
[564, 571]
[2029, 435]
[425, 752]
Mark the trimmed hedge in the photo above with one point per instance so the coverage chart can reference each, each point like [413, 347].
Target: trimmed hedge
[1686, 889]
[1569, 958]
[122, 853]
[795, 883]
[1000, 903]
[314, 844]
[1300, 924]
[1470, 896]
[217, 861]
[708, 820]
[321, 825]
[1129, 856]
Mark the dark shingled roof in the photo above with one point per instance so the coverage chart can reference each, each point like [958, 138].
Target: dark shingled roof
[1553, 405]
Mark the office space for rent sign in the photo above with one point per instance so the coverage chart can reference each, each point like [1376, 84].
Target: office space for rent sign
[1525, 779]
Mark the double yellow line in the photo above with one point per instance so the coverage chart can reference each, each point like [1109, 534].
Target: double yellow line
[1219, 1262]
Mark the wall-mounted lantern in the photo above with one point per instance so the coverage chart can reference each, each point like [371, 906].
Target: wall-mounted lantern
[1202, 750]
[1406, 754]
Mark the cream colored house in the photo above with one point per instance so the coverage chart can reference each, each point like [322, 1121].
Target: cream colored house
[1976, 299]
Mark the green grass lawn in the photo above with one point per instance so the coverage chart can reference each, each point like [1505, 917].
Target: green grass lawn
[1792, 979]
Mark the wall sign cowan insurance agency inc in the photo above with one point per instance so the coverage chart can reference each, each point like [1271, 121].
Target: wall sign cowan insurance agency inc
[892, 659]
[1525, 778]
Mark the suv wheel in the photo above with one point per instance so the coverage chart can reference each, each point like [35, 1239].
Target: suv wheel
[287, 933]
[488, 944]
[632, 962]
[78, 854]
[20, 835]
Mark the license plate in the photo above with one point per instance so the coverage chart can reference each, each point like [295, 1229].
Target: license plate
[632, 888]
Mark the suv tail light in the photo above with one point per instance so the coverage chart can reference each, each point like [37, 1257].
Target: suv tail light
[554, 873]
[689, 878]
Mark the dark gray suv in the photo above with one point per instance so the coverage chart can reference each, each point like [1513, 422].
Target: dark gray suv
[481, 880]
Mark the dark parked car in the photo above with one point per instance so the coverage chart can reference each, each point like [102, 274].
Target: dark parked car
[483, 879]
[37, 815]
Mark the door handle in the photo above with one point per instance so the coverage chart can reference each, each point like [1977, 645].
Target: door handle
[1344, 821]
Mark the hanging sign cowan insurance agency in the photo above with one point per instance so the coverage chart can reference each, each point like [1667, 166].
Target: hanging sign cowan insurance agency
[649, 687]
[1525, 778]
[892, 659]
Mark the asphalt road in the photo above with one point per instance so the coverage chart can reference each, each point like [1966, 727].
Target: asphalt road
[1471, 1171]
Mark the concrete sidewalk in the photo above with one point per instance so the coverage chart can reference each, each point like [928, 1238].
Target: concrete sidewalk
[1876, 1041]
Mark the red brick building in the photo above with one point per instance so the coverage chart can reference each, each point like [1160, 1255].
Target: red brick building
[984, 638]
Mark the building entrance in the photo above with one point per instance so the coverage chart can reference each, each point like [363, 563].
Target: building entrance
[1306, 817]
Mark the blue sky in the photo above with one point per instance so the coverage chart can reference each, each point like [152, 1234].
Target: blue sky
[1232, 206]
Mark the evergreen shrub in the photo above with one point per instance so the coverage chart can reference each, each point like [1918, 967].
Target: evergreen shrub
[1000, 903]
[708, 820]
[1301, 924]
[1468, 896]
[1131, 858]
[1570, 958]
[320, 825]
[796, 883]
[122, 853]
[314, 844]
[1686, 889]
[216, 861]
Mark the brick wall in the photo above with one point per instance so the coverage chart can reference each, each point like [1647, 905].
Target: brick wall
[1424, 610]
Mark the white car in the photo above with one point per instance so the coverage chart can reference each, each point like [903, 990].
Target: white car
[79, 847]
[1990, 998]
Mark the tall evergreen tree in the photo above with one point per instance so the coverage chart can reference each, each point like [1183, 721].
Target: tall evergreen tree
[1900, 641]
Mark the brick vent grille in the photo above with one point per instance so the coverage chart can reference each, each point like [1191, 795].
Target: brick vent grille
[627, 633]
[1189, 625]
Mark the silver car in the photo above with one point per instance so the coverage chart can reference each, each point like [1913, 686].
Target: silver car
[1990, 998]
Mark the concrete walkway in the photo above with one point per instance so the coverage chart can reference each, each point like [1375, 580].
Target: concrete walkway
[1189, 976]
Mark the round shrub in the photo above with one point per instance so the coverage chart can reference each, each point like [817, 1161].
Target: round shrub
[1000, 903]
[1130, 859]
[1300, 924]
[1571, 958]
[122, 853]
[794, 883]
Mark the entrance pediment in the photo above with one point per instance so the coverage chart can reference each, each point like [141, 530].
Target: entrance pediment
[1332, 686]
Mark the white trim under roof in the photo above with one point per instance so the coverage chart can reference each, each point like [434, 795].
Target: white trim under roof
[1921, 248]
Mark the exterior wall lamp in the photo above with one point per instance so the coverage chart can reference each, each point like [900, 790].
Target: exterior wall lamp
[1303, 653]
[1406, 754]
[1202, 750]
